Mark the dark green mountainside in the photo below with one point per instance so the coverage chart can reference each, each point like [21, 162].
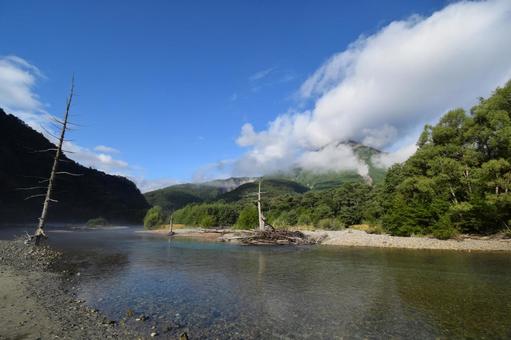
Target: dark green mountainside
[271, 188]
[81, 198]
[177, 196]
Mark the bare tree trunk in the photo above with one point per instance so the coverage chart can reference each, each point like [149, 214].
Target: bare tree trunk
[260, 213]
[171, 232]
[39, 233]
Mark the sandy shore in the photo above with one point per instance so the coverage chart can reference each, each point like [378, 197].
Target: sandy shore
[196, 233]
[38, 299]
[356, 238]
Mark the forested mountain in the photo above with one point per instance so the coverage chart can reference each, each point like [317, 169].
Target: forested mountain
[291, 181]
[271, 188]
[177, 196]
[93, 194]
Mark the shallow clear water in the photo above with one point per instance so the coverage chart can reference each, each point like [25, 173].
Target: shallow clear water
[218, 290]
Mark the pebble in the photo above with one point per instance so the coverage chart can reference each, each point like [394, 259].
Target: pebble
[153, 334]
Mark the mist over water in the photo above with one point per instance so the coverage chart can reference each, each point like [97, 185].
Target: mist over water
[221, 290]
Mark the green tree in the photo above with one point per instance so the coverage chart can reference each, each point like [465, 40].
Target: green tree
[248, 218]
[207, 221]
[459, 178]
[153, 218]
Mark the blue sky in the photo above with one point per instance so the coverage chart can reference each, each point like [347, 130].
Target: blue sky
[170, 84]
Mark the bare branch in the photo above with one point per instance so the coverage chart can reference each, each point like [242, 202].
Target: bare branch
[48, 132]
[56, 120]
[46, 150]
[34, 196]
[31, 188]
[67, 173]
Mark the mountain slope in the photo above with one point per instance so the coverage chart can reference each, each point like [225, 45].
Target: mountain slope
[294, 181]
[177, 196]
[270, 187]
[80, 198]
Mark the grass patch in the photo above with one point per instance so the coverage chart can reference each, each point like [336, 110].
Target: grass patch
[369, 228]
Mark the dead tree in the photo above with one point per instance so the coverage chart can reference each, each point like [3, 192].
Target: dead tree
[171, 232]
[259, 212]
[64, 124]
[263, 225]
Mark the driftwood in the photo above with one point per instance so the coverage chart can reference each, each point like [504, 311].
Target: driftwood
[215, 231]
[276, 237]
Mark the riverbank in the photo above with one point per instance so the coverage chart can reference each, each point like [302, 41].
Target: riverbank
[195, 233]
[357, 238]
[39, 298]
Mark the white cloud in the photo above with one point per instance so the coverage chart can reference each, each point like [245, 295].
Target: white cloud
[100, 161]
[17, 82]
[261, 74]
[146, 185]
[18, 79]
[221, 169]
[383, 87]
[333, 157]
[105, 149]
[385, 160]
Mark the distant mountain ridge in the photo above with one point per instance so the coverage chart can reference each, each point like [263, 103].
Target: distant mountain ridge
[177, 196]
[270, 187]
[93, 194]
[296, 180]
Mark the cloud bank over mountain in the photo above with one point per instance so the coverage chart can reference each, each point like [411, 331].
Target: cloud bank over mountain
[384, 87]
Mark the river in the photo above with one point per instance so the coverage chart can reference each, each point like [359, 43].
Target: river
[217, 290]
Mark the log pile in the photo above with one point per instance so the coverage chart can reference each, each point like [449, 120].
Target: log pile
[276, 237]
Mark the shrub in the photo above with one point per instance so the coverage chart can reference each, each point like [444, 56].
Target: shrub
[304, 219]
[97, 222]
[153, 218]
[369, 228]
[375, 229]
[248, 218]
[322, 211]
[193, 214]
[207, 221]
[281, 221]
[330, 224]
[443, 229]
